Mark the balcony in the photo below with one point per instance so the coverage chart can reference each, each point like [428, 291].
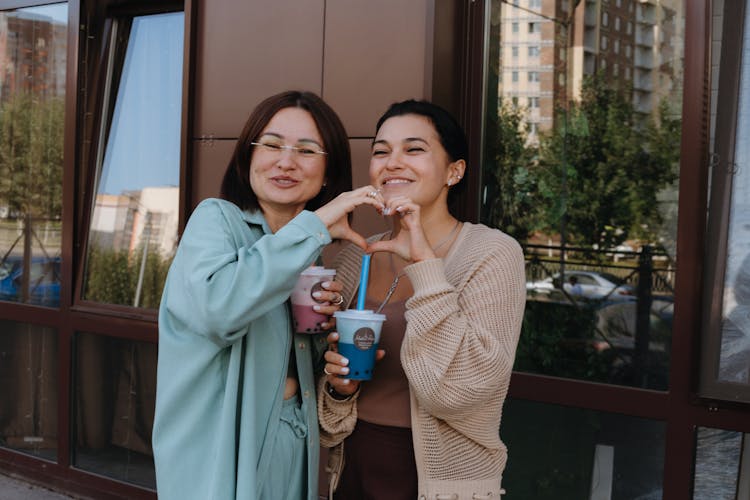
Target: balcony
[645, 13]
[644, 59]
[590, 17]
[644, 36]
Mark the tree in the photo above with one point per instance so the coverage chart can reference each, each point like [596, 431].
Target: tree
[603, 168]
[31, 155]
[508, 174]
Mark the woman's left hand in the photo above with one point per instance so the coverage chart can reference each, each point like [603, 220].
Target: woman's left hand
[329, 301]
[411, 243]
[334, 213]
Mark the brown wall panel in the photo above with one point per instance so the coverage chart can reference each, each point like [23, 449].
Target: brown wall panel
[210, 160]
[365, 220]
[247, 50]
[375, 53]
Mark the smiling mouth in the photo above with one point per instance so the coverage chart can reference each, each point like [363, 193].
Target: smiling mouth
[284, 181]
[396, 182]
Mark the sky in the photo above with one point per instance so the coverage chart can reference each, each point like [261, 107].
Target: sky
[143, 148]
[57, 11]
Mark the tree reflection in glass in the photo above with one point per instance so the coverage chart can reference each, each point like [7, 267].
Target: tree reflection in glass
[581, 165]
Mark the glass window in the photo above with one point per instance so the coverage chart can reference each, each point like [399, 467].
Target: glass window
[718, 458]
[584, 194]
[514, 27]
[133, 229]
[514, 76]
[534, 27]
[558, 452]
[605, 19]
[533, 51]
[33, 47]
[115, 394]
[28, 400]
[514, 51]
[734, 364]
[726, 361]
[533, 76]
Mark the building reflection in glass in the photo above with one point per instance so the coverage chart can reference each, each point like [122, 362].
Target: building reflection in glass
[580, 164]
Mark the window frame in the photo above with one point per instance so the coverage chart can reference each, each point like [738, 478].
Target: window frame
[85, 19]
[720, 205]
[100, 107]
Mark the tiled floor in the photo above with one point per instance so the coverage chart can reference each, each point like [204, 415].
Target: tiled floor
[16, 489]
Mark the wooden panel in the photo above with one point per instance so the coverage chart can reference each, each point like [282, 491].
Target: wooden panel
[210, 160]
[248, 50]
[375, 53]
[366, 220]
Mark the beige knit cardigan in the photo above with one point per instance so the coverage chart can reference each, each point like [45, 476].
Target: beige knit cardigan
[463, 324]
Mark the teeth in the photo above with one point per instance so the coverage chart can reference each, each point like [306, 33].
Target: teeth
[397, 181]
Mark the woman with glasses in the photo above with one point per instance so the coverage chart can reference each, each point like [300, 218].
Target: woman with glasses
[235, 403]
[426, 425]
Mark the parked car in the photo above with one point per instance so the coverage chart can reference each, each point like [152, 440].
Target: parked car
[44, 281]
[588, 284]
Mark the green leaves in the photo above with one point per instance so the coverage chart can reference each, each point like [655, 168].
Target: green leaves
[31, 154]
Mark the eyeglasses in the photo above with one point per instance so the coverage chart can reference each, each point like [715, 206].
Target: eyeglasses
[301, 151]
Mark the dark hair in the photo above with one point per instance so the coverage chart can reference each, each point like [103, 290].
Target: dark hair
[235, 186]
[450, 133]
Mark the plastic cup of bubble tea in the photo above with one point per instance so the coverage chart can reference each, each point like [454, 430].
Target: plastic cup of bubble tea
[359, 335]
[306, 319]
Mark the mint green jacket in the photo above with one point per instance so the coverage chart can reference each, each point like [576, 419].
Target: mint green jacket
[225, 335]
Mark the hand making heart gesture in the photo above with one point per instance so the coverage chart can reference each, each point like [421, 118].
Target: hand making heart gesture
[334, 213]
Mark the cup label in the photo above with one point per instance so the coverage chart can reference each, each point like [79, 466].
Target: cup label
[364, 338]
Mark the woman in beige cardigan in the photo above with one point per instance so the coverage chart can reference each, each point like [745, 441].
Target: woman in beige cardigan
[427, 425]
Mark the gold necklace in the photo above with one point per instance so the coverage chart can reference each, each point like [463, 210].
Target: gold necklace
[394, 283]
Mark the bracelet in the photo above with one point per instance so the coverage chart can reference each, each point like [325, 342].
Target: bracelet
[336, 394]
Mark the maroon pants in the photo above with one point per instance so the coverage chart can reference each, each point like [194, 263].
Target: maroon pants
[379, 464]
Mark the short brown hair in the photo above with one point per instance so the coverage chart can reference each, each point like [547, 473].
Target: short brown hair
[235, 186]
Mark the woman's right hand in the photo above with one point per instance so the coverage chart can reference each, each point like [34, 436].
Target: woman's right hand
[337, 368]
[334, 213]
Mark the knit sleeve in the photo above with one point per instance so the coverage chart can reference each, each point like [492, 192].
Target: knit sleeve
[335, 418]
[460, 341]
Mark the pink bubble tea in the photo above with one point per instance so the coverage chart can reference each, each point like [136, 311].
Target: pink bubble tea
[306, 320]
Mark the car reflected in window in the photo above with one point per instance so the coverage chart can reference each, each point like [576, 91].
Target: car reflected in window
[44, 281]
[593, 285]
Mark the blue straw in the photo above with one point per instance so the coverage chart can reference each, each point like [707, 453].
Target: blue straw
[363, 277]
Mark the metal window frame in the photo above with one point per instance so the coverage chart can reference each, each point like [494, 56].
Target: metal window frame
[720, 205]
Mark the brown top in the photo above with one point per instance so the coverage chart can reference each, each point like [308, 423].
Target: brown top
[384, 400]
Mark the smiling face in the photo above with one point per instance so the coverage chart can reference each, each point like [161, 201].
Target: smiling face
[284, 181]
[409, 160]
